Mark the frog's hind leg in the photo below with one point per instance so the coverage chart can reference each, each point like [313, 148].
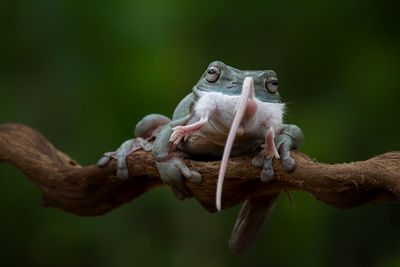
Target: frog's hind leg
[253, 215]
[151, 125]
[145, 131]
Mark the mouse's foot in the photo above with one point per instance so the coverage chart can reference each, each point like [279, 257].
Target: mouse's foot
[183, 132]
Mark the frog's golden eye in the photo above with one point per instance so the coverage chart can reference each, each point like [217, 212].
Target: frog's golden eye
[212, 74]
[272, 84]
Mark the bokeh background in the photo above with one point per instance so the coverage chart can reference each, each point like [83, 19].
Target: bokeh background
[84, 72]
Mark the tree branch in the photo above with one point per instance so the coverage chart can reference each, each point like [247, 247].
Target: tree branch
[91, 190]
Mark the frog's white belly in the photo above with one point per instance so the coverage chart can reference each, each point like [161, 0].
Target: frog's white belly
[221, 110]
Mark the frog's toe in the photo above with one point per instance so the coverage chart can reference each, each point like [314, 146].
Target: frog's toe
[258, 160]
[177, 194]
[195, 177]
[122, 153]
[190, 175]
[288, 164]
[148, 147]
[172, 175]
[268, 173]
[287, 161]
[123, 173]
[176, 180]
[103, 161]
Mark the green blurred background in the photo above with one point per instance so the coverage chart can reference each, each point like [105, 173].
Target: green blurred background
[84, 72]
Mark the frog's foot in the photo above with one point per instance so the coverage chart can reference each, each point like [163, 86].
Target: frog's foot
[265, 158]
[287, 161]
[184, 132]
[261, 160]
[173, 173]
[285, 143]
[123, 151]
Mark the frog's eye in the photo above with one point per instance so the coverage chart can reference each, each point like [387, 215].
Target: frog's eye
[272, 84]
[212, 74]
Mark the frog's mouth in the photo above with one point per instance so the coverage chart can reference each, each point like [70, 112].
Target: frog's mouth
[235, 87]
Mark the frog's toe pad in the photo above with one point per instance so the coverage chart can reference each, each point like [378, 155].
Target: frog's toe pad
[267, 175]
[148, 147]
[258, 160]
[103, 161]
[288, 164]
[195, 177]
[123, 173]
[177, 194]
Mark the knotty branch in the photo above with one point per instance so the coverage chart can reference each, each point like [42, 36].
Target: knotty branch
[91, 190]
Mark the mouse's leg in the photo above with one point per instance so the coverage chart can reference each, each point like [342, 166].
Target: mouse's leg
[269, 148]
[266, 156]
[185, 131]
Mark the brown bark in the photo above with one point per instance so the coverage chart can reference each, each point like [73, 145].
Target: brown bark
[91, 190]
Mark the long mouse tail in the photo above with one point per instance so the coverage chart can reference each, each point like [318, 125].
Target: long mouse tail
[245, 99]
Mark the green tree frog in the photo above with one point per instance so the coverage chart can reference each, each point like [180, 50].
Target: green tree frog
[229, 112]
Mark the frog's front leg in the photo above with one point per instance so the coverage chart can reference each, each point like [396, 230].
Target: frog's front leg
[289, 137]
[169, 161]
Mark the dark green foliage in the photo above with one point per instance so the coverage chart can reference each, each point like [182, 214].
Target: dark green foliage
[84, 72]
